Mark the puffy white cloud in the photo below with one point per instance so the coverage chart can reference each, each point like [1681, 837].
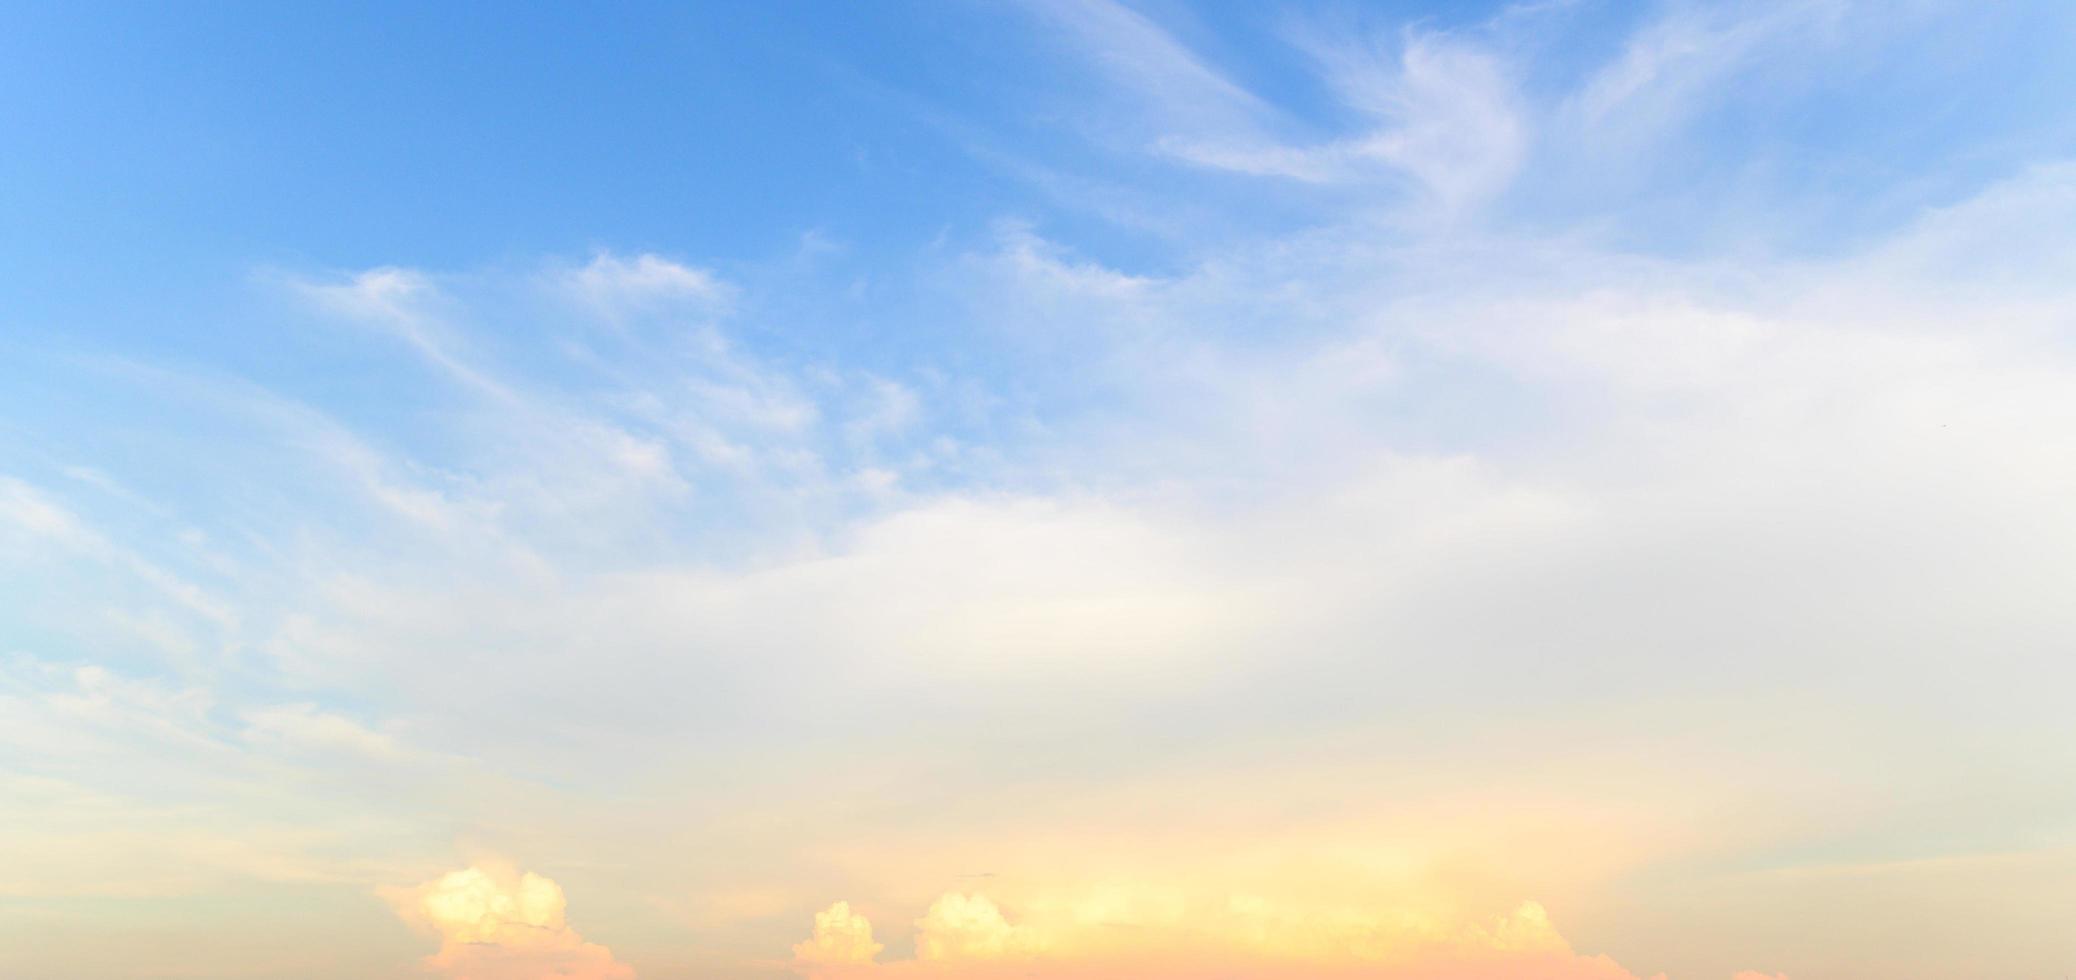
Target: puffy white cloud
[963, 927]
[841, 937]
[495, 923]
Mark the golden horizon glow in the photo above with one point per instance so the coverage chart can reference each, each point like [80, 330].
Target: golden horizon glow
[495, 922]
[967, 935]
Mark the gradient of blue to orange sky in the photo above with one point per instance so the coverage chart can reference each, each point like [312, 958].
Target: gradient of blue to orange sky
[1564, 490]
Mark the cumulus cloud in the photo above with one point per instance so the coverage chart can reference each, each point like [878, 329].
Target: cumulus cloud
[965, 927]
[841, 937]
[496, 923]
[1090, 936]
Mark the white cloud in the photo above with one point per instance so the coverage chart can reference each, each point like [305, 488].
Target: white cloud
[841, 937]
[1152, 67]
[889, 408]
[1448, 121]
[617, 286]
[1242, 936]
[1687, 53]
[495, 923]
[307, 726]
[30, 510]
[36, 513]
[1452, 118]
[405, 303]
[1445, 116]
[138, 787]
[969, 927]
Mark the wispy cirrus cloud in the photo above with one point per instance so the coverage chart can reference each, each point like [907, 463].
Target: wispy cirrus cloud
[618, 286]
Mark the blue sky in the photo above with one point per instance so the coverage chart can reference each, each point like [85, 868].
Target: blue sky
[1284, 481]
[220, 135]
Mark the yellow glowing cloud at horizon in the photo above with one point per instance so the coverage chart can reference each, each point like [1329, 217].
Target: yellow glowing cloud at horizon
[496, 923]
[969, 936]
[840, 937]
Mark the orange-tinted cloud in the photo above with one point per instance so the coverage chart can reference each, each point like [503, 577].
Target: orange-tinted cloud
[962, 927]
[969, 937]
[495, 923]
[841, 938]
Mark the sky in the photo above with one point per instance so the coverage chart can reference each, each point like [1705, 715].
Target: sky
[1562, 490]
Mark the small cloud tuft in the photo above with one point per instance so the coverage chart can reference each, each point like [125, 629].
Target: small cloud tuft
[618, 286]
